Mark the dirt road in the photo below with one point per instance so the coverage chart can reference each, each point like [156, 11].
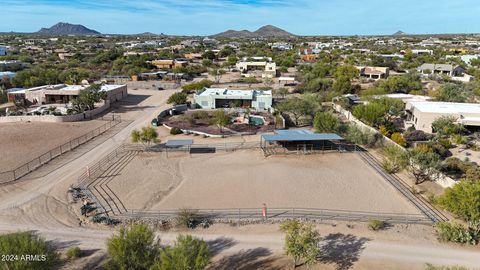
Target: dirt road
[390, 254]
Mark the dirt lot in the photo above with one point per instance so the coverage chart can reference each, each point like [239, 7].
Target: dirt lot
[23, 141]
[246, 179]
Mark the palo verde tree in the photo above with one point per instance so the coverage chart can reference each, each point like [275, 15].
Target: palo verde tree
[133, 247]
[88, 97]
[188, 253]
[423, 164]
[15, 246]
[146, 135]
[177, 98]
[221, 118]
[301, 241]
[326, 122]
[217, 74]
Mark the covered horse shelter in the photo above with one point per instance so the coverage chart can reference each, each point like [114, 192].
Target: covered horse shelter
[302, 141]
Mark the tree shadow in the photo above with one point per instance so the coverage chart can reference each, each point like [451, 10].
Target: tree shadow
[342, 249]
[219, 244]
[258, 258]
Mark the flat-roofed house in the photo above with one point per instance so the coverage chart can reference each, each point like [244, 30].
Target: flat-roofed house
[213, 98]
[61, 93]
[374, 73]
[446, 69]
[258, 63]
[421, 114]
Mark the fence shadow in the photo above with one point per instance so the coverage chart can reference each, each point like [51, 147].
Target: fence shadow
[343, 250]
[258, 258]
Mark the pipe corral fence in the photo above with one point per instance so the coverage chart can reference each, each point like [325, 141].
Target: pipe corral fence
[20, 171]
[428, 215]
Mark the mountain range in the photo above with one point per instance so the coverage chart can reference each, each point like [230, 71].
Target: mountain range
[264, 31]
[62, 28]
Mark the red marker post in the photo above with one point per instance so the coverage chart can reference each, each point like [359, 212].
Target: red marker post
[264, 211]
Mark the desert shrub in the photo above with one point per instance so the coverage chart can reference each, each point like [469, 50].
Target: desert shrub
[375, 224]
[396, 159]
[73, 253]
[398, 138]
[389, 166]
[175, 131]
[21, 243]
[439, 149]
[383, 129]
[447, 125]
[429, 266]
[454, 232]
[445, 143]
[459, 139]
[417, 135]
[187, 218]
[200, 115]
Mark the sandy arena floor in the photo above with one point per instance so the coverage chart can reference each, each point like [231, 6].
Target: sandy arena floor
[23, 141]
[246, 179]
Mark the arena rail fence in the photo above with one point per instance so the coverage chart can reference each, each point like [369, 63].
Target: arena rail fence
[429, 213]
[255, 215]
[20, 171]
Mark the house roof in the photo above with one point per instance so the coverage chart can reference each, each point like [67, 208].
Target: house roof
[445, 107]
[178, 143]
[441, 67]
[300, 135]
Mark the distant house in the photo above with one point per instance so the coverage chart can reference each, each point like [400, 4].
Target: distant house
[467, 58]
[282, 46]
[445, 69]
[374, 73]
[169, 64]
[421, 114]
[213, 98]
[62, 93]
[422, 51]
[258, 63]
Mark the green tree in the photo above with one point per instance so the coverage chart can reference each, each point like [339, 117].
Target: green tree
[451, 92]
[217, 73]
[463, 200]
[423, 165]
[209, 55]
[88, 97]
[298, 107]
[326, 122]
[250, 81]
[197, 85]
[301, 241]
[347, 71]
[188, 253]
[221, 119]
[133, 247]
[21, 244]
[146, 135]
[177, 98]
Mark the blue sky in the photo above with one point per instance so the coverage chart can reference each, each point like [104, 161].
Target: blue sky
[205, 17]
